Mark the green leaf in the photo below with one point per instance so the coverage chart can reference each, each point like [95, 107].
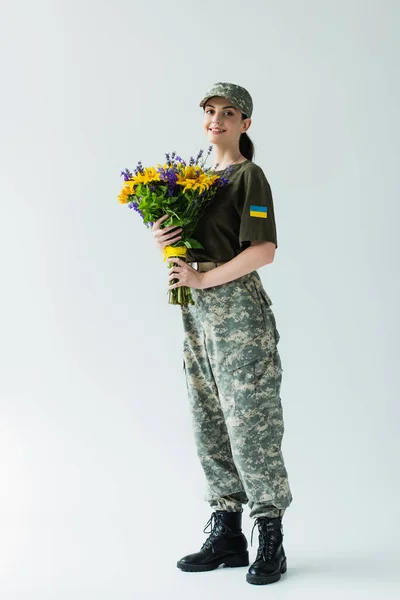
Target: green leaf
[191, 243]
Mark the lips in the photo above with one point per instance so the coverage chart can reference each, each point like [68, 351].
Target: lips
[217, 130]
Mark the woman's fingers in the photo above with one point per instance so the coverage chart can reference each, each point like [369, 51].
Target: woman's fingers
[163, 235]
[167, 235]
[164, 238]
[169, 229]
[167, 232]
[158, 232]
[157, 224]
[173, 274]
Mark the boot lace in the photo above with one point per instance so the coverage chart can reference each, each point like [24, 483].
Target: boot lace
[216, 527]
[268, 538]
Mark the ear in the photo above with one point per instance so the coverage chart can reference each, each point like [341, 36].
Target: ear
[245, 125]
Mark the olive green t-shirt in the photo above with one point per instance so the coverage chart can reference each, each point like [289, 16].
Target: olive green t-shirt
[239, 213]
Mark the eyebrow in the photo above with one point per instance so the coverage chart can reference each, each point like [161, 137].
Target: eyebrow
[223, 108]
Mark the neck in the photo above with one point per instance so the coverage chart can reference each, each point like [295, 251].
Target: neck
[226, 156]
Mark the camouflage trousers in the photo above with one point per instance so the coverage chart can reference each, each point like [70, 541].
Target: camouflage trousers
[233, 376]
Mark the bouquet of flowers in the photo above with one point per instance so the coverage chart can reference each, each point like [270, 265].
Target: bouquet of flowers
[178, 189]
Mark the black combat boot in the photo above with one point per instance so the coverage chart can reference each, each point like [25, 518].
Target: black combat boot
[270, 560]
[226, 544]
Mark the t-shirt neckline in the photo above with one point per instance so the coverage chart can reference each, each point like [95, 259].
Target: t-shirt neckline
[232, 166]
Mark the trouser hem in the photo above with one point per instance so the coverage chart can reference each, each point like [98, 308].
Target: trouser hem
[215, 498]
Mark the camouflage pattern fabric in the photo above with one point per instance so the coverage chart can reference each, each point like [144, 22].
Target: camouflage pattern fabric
[236, 94]
[233, 375]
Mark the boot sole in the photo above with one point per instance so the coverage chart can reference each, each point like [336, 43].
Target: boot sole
[235, 560]
[263, 580]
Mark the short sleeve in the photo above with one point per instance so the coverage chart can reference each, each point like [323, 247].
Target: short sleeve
[257, 218]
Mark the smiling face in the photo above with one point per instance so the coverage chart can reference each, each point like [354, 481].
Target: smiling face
[223, 122]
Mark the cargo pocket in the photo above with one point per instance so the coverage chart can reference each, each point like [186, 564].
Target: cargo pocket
[244, 357]
[269, 317]
[252, 389]
[245, 394]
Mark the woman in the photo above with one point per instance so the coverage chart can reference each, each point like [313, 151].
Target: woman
[232, 365]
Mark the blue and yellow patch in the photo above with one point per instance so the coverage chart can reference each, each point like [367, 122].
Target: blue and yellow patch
[258, 211]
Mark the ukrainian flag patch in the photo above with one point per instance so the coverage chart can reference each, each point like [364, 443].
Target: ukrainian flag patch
[258, 211]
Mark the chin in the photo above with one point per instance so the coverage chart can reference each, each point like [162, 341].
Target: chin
[214, 139]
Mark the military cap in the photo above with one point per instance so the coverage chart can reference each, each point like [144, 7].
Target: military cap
[237, 94]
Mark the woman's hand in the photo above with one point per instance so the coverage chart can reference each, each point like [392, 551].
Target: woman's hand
[185, 274]
[164, 237]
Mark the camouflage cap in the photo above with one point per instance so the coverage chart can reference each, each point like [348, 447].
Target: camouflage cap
[238, 95]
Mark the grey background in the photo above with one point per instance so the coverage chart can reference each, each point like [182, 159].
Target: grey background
[101, 489]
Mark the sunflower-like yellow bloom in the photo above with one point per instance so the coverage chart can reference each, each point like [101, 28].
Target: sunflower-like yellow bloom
[130, 185]
[124, 194]
[212, 179]
[194, 178]
[150, 174]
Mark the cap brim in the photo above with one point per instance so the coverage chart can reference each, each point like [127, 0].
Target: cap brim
[203, 102]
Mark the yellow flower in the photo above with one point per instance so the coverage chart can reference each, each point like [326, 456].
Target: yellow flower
[190, 172]
[130, 185]
[124, 194]
[212, 178]
[194, 178]
[150, 174]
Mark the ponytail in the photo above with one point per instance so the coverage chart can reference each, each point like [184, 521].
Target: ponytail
[246, 146]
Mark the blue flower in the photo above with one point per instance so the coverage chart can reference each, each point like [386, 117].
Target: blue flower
[134, 205]
[198, 157]
[171, 177]
[126, 174]
[139, 168]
